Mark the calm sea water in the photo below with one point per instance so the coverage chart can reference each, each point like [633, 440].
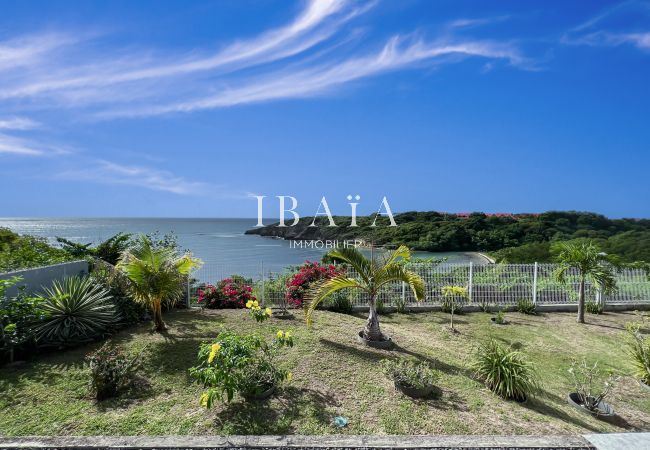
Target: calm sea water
[220, 243]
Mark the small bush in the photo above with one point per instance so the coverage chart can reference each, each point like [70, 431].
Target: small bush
[594, 307]
[639, 350]
[504, 371]
[243, 364]
[233, 292]
[309, 273]
[526, 306]
[117, 284]
[500, 318]
[111, 371]
[340, 302]
[410, 372]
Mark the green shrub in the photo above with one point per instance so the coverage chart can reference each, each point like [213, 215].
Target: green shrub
[19, 252]
[410, 372]
[340, 302]
[76, 310]
[17, 315]
[526, 306]
[111, 371]
[504, 371]
[594, 307]
[639, 350]
[243, 364]
[500, 318]
[117, 284]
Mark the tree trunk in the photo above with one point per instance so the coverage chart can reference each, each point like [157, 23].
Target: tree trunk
[157, 316]
[581, 302]
[372, 331]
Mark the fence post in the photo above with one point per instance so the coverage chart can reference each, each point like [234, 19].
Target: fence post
[535, 284]
[471, 281]
[262, 271]
[188, 301]
[403, 293]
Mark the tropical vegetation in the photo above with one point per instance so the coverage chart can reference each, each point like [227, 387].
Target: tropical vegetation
[591, 264]
[157, 275]
[373, 274]
[639, 348]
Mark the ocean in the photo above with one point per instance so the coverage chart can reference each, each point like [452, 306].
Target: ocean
[220, 243]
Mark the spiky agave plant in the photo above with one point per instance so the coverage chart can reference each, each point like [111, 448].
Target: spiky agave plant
[76, 310]
[504, 371]
[373, 275]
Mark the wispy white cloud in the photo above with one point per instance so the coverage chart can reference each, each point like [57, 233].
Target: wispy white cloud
[25, 51]
[29, 147]
[18, 123]
[154, 179]
[604, 29]
[300, 59]
[313, 81]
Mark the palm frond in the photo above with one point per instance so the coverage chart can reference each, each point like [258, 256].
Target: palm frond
[325, 288]
[353, 257]
[396, 272]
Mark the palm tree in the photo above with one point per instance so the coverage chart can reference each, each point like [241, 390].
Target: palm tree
[157, 275]
[373, 276]
[591, 264]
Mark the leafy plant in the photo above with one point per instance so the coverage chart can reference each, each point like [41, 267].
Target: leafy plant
[590, 263]
[118, 285]
[400, 304]
[17, 315]
[308, 275]
[157, 275]
[340, 302]
[500, 317]
[18, 252]
[233, 292]
[505, 371]
[594, 307]
[410, 372]
[590, 384]
[638, 346]
[373, 275]
[526, 306]
[111, 371]
[109, 250]
[236, 363]
[76, 310]
[256, 311]
[453, 297]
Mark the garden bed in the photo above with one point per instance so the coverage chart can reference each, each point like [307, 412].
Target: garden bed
[333, 375]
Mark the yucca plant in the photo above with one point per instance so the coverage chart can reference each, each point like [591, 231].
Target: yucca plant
[76, 310]
[504, 371]
[373, 275]
[157, 275]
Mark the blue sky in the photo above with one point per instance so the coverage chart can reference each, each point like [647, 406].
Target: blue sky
[182, 109]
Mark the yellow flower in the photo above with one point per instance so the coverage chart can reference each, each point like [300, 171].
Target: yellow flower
[287, 335]
[204, 399]
[255, 303]
[280, 334]
[213, 352]
[268, 311]
[289, 376]
[249, 304]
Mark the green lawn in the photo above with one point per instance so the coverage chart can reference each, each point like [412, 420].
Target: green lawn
[333, 375]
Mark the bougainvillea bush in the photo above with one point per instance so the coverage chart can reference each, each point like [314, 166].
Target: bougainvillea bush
[308, 273]
[233, 292]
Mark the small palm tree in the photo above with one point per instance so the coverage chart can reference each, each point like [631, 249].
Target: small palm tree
[373, 276]
[590, 263]
[157, 275]
[452, 294]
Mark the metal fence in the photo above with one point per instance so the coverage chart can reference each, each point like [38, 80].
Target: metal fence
[487, 285]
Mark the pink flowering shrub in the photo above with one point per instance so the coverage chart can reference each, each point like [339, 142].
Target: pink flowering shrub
[232, 292]
[308, 273]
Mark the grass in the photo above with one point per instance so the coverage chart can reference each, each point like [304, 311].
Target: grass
[333, 375]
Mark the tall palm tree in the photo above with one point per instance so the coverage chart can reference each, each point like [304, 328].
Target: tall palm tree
[591, 264]
[157, 275]
[372, 276]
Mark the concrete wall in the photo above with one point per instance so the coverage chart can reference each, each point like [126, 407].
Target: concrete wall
[34, 279]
